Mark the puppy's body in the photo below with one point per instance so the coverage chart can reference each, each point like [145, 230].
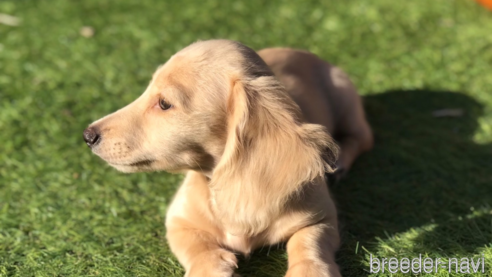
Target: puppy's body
[255, 167]
[191, 217]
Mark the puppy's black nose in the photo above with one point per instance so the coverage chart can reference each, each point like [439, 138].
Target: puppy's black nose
[92, 136]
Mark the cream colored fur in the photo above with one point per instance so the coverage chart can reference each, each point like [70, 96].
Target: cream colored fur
[255, 168]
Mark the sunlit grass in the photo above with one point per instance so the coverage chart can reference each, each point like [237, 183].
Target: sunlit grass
[63, 212]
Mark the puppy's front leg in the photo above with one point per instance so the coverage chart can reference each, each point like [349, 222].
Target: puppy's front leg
[312, 250]
[199, 253]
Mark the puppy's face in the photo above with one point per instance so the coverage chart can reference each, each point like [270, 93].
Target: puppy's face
[178, 123]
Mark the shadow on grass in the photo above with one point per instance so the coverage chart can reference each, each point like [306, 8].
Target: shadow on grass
[425, 172]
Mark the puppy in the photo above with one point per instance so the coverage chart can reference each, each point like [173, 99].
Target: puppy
[254, 165]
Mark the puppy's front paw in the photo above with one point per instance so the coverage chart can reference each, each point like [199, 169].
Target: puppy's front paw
[214, 263]
[312, 269]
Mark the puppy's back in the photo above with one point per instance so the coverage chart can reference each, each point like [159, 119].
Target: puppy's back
[323, 92]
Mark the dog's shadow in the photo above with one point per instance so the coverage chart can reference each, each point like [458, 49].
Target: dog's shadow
[425, 176]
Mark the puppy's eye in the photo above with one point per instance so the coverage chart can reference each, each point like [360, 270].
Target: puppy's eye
[164, 104]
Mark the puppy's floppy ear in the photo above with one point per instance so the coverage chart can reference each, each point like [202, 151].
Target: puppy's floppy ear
[261, 114]
[266, 137]
[269, 153]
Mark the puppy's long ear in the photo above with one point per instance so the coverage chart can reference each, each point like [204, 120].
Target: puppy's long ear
[269, 153]
[263, 117]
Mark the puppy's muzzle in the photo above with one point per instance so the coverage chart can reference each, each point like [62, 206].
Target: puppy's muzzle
[92, 136]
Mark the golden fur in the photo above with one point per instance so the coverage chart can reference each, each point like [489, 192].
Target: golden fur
[254, 166]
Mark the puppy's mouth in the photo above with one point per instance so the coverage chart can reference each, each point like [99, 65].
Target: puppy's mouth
[141, 163]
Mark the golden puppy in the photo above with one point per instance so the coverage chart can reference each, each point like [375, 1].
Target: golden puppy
[254, 166]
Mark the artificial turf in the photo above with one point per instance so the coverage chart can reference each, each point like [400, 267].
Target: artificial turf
[424, 189]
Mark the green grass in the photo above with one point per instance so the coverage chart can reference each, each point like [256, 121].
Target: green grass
[424, 189]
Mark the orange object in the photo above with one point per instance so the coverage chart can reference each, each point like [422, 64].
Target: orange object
[486, 3]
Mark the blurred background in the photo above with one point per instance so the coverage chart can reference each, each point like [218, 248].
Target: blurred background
[424, 69]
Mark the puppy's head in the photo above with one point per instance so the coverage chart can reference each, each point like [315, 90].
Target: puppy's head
[202, 105]
[178, 122]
